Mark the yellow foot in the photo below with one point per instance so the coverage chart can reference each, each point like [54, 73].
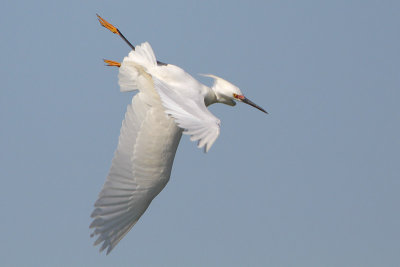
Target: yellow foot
[112, 63]
[107, 25]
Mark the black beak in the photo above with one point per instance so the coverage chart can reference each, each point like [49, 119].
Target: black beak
[251, 103]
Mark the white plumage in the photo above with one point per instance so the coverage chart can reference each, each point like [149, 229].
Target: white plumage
[169, 102]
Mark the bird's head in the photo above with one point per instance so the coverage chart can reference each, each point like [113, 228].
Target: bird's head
[228, 93]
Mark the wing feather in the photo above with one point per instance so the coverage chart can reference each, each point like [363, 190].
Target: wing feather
[190, 113]
[139, 171]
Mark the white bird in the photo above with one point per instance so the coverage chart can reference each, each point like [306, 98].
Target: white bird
[169, 101]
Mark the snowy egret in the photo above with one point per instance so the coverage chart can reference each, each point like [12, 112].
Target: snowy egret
[169, 101]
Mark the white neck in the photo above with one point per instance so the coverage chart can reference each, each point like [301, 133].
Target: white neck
[210, 97]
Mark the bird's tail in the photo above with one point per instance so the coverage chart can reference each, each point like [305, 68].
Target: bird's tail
[135, 66]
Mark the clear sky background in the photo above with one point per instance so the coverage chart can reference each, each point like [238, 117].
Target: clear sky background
[315, 183]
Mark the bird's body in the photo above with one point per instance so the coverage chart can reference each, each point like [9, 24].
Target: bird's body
[169, 102]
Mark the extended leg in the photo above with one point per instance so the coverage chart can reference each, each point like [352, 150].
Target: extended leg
[112, 63]
[109, 26]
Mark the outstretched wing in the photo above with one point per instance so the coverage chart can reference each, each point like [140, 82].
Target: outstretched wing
[190, 114]
[140, 169]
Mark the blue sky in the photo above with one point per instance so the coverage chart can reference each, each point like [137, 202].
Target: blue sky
[314, 183]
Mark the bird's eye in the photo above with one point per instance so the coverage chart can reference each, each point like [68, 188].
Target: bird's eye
[238, 97]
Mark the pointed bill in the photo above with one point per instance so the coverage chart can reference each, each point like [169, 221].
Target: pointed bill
[251, 103]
